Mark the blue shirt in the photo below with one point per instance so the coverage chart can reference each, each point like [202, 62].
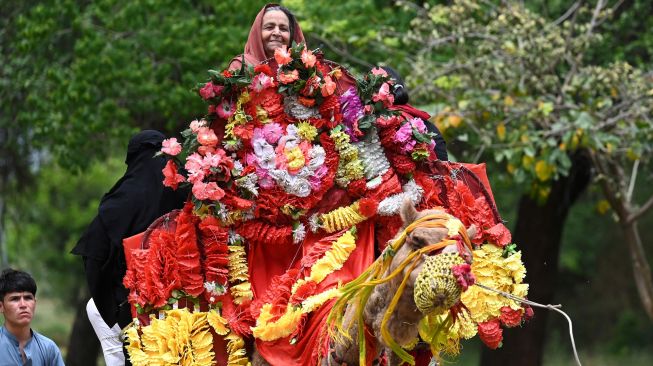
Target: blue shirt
[39, 350]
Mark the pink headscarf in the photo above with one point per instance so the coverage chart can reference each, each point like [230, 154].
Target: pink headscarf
[254, 50]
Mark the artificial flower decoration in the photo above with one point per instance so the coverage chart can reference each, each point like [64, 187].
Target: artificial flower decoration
[287, 166]
[282, 56]
[171, 147]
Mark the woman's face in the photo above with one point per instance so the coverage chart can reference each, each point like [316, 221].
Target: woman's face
[276, 31]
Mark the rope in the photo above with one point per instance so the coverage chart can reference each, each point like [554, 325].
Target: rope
[549, 306]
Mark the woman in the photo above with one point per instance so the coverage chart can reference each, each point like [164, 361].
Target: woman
[275, 26]
[132, 204]
[401, 100]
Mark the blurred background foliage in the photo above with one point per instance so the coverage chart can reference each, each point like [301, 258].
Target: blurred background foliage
[77, 78]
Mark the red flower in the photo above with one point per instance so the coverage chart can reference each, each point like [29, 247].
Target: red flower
[308, 102]
[227, 73]
[311, 87]
[491, 333]
[304, 291]
[510, 317]
[264, 68]
[207, 91]
[357, 187]
[171, 178]
[403, 164]
[367, 207]
[499, 235]
[244, 132]
[330, 110]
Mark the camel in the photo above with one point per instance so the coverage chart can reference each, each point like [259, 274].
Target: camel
[403, 322]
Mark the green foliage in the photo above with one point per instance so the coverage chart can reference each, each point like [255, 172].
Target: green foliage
[517, 88]
[357, 34]
[91, 73]
[44, 225]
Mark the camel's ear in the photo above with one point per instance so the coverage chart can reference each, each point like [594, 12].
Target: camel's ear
[471, 231]
[408, 213]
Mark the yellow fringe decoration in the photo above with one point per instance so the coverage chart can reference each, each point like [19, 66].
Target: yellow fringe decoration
[236, 351]
[181, 338]
[239, 274]
[358, 291]
[341, 218]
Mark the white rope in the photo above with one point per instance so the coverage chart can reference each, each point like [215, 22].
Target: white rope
[549, 306]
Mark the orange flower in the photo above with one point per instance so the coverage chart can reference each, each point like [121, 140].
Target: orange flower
[282, 56]
[308, 102]
[337, 73]
[206, 137]
[329, 86]
[289, 77]
[308, 58]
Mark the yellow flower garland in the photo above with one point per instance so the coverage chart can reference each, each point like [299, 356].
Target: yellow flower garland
[341, 218]
[493, 270]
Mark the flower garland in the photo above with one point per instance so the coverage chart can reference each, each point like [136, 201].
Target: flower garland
[270, 326]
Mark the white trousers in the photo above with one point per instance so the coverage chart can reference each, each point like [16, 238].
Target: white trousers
[109, 337]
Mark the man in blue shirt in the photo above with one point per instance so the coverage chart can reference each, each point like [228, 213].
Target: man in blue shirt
[19, 344]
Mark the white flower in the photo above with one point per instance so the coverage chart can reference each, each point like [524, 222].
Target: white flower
[299, 233]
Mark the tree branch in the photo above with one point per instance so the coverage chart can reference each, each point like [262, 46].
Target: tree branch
[340, 52]
[641, 211]
[567, 14]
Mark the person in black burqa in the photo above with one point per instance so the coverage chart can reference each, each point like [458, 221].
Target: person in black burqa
[134, 202]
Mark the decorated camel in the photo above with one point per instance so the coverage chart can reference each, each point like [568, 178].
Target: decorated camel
[321, 229]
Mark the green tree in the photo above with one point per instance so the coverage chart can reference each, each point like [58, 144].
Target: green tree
[523, 91]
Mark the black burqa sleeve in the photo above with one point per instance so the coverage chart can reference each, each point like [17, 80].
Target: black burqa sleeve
[134, 202]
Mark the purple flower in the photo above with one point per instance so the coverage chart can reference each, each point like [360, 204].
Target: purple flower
[352, 111]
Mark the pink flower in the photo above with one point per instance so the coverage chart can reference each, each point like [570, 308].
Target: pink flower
[384, 95]
[289, 77]
[207, 91]
[308, 58]
[171, 146]
[207, 191]
[282, 56]
[404, 133]
[272, 132]
[329, 86]
[211, 161]
[261, 81]
[196, 124]
[194, 163]
[170, 175]
[379, 72]
[226, 108]
[206, 137]
[419, 125]
[464, 276]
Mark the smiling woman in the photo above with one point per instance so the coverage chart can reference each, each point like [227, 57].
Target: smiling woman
[275, 26]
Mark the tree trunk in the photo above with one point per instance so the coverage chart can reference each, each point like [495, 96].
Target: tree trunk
[641, 268]
[537, 233]
[83, 345]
